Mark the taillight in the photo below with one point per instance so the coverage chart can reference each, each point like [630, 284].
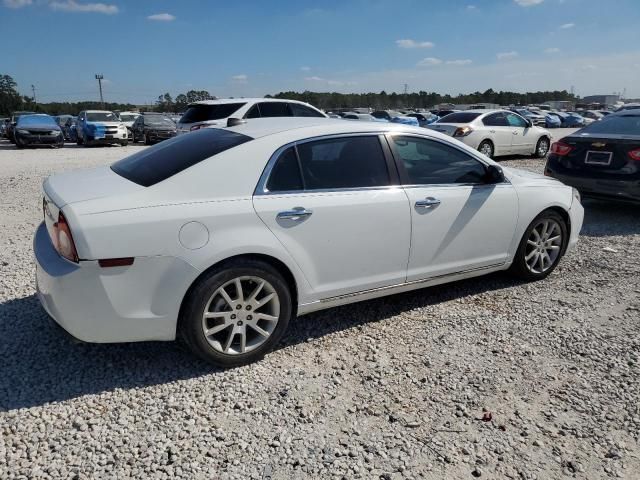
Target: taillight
[561, 149]
[634, 154]
[63, 240]
[462, 131]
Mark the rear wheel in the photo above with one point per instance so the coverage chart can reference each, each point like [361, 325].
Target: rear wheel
[236, 314]
[486, 148]
[146, 139]
[542, 148]
[541, 247]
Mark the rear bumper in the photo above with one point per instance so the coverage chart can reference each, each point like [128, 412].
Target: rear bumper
[622, 190]
[105, 305]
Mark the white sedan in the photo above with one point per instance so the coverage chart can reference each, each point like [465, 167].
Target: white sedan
[495, 132]
[223, 235]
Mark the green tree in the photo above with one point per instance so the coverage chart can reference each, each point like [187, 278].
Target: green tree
[10, 99]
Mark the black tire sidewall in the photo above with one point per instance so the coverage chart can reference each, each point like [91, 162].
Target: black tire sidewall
[190, 323]
[541, 139]
[519, 265]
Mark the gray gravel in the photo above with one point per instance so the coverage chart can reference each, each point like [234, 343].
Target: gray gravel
[486, 378]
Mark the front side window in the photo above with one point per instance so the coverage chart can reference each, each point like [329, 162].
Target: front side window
[428, 162]
[346, 162]
[516, 120]
[274, 109]
[254, 112]
[303, 111]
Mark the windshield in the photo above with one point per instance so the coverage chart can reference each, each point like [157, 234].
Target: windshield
[460, 117]
[29, 120]
[615, 124]
[163, 160]
[158, 120]
[102, 117]
[128, 117]
[202, 113]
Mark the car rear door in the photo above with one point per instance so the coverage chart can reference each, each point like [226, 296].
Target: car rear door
[459, 222]
[336, 207]
[524, 137]
[500, 132]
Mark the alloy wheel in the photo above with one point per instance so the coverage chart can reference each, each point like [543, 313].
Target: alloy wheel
[543, 246]
[543, 147]
[486, 149]
[241, 315]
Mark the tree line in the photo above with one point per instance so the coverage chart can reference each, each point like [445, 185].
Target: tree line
[421, 99]
[11, 100]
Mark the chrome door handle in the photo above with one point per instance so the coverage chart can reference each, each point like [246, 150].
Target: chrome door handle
[298, 213]
[515, 133]
[428, 202]
[492, 131]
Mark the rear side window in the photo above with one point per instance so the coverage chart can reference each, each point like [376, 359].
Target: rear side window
[460, 117]
[495, 120]
[163, 160]
[202, 113]
[302, 111]
[348, 162]
[274, 109]
[285, 176]
[615, 124]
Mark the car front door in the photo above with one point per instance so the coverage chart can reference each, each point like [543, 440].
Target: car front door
[460, 222]
[500, 132]
[524, 137]
[336, 207]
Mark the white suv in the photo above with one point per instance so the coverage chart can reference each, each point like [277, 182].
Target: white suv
[216, 112]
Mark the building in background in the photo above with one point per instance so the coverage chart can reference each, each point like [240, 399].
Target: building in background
[606, 100]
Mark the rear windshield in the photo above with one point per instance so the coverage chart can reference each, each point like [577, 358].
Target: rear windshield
[461, 117]
[163, 160]
[615, 124]
[202, 113]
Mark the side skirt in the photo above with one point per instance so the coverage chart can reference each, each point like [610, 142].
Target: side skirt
[355, 297]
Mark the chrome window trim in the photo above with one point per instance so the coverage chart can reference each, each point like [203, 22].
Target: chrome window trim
[261, 187]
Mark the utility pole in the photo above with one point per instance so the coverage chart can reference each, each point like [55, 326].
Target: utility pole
[99, 77]
[33, 89]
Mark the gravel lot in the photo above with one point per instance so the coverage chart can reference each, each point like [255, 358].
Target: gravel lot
[391, 388]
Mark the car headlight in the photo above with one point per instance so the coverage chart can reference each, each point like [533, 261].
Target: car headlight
[576, 195]
[24, 132]
[54, 132]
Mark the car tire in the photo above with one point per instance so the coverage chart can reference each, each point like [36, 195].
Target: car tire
[124, 143]
[486, 147]
[146, 139]
[542, 147]
[231, 319]
[540, 241]
[19, 144]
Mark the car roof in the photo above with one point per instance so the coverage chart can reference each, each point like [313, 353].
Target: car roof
[318, 126]
[223, 101]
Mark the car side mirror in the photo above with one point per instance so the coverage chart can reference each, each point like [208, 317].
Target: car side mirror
[529, 123]
[494, 174]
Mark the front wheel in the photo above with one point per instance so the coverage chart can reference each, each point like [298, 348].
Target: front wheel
[486, 147]
[541, 247]
[542, 147]
[236, 314]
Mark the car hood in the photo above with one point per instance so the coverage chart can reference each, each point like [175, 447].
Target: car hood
[524, 177]
[105, 124]
[89, 184]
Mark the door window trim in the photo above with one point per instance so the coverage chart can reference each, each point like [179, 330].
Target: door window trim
[404, 178]
[394, 178]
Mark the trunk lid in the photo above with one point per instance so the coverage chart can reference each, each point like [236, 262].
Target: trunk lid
[602, 155]
[79, 186]
[446, 128]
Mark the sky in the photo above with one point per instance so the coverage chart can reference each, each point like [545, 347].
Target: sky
[144, 48]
